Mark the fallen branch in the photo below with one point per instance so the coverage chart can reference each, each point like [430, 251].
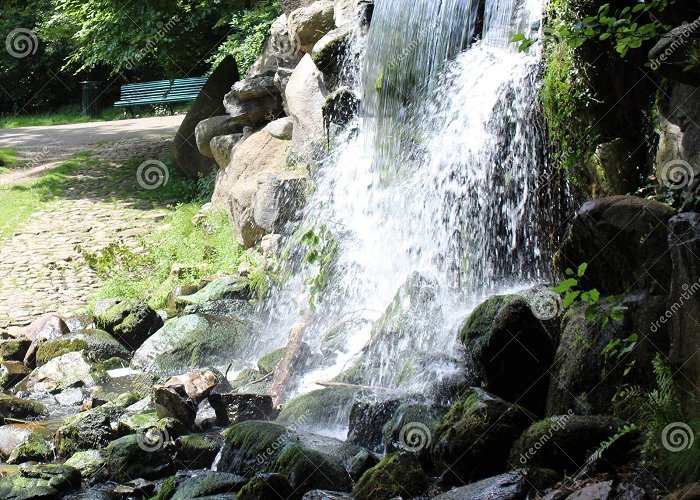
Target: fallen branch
[283, 372]
[358, 386]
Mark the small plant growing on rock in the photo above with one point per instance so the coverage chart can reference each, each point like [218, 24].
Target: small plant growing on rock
[323, 248]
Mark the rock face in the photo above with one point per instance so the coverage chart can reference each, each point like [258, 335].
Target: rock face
[397, 475]
[512, 349]
[309, 24]
[209, 103]
[193, 341]
[305, 94]
[564, 443]
[623, 240]
[254, 100]
[256, 189]
[131, 322]
[210, 128]
[472, 440]
[684, 241]
[308, 461]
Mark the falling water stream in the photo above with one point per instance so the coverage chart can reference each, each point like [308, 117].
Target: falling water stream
[435, 185]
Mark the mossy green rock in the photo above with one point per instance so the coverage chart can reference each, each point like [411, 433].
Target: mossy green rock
[99, 346]
[138, 422]
[564, 443]
[268, 363]
[38, 448]
[397, 475]
[473, 439]
[87, 430]
[90, 463]
[224, 288]
[307, 460]
[323, 407]
[16, 487]
[209, 485]
[21, 409]
[267, 487]
[512, 349]
[130, 321]
[128, 458]
[193, 341]
[14, 349]
[419, 416]
[196, 451]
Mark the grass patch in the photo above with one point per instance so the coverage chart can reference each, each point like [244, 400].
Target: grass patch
[19, 201]
[71, 114]
[8, 159]
[201, 250]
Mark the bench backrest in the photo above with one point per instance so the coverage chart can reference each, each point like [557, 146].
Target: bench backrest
[185, 87]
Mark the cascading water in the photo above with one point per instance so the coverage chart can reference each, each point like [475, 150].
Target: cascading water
[433, 192]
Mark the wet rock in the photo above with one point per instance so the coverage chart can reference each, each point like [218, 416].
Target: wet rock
[69, 370]
[21, 409]
[135, 488]
[131, 456]
[309, 24]
[131, 322]
[564, 443]
[411, 426]
[81, 322]
[328, 408]
[631, 233]
[14, 349]
[308, 461]
[172, 402]
[39, 482]
[512, 349]
[209, 485]
[193, 341]
[613, 166]
[197, 384]
[11, 372]
[230, 287]
[72, 397]
[514, 485]
[473, 439]
[579, 369]
[269, 362]
[325, 495]
[88, 430]
[305, 93]
[38, 447]
[196, 451]
[136, 422]
[278, 200]
[216, 126]
[328, 53]
[209, 103]
[397, 475]
[367, 421]
[99, 346]
[339, 109]
[268, 485]
[232, 408]
[13, 435]
[281, 128]
[90, 463]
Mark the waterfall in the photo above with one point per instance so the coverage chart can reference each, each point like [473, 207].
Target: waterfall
[436, 185]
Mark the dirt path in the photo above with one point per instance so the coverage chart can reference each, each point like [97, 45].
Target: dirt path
[41, 266]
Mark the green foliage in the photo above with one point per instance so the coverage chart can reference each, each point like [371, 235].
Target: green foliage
[249, 28]
[598, 311]
[322, 249]
[261, 273]
[202, 250]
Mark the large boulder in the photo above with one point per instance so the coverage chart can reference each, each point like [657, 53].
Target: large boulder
[225, 288]
[305, 93]
[213, 485]
[309, 24]
[346, 12]
[210, 128]
[63, 372]
[130, 321]
[279, 50]
[131, 457]
[232, 408]
[326, 408]
[193, 341]
[564, 443]
[512, 348]
[397, 475]
[254, 100]
[209, 103]
[623, 240]
[257, 190]
[329, 52]
[288, 6]
[308, 461]
[684, 309]
[582, 379]
[473, 439]
[97, 344]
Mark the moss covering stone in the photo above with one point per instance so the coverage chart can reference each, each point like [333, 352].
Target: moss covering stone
[88, 430]
[473, 439]
[130, 321]
[196, 451]
[323, 407]
[266, 487]
[90, 463]
[53, 349]
[208, 485]
[22, 409]
[38, 448]
[14, 349]
[126, 459]
[397, 475]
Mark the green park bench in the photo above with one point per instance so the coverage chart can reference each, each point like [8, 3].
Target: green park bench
[166, 92]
